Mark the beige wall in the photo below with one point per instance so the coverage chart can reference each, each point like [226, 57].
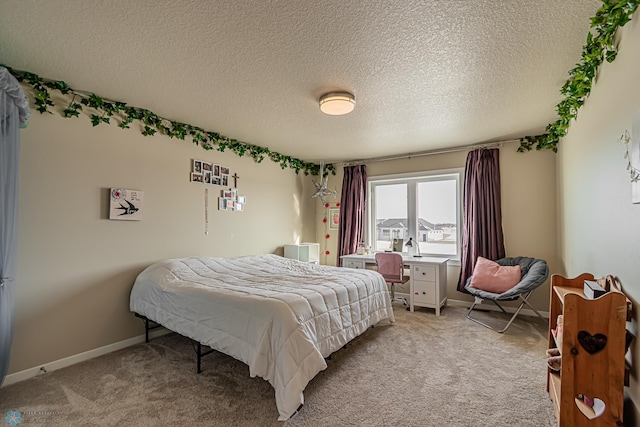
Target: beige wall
[528, 206]
[599, 227]
[76, 268]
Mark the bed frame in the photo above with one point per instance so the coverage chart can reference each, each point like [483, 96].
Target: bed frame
[197, 346]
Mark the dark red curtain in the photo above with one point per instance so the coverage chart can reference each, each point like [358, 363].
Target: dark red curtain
[482, 212]
[353, 203]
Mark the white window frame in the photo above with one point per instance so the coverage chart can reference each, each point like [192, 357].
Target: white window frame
[412, 179]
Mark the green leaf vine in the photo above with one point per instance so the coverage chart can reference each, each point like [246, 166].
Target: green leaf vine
[600, 46]
[101, 110]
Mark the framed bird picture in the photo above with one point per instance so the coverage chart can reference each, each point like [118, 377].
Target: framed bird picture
[126, 204]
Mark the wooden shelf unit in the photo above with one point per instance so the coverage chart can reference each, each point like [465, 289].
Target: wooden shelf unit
[597, 375]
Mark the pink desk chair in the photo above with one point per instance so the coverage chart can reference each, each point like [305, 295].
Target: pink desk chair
[391, 266]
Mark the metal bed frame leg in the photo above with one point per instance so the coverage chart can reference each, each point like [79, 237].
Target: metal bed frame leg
[147, 328]
[197, 349]
[199, 352]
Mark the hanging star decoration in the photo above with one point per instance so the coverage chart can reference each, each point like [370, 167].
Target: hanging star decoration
[321, 187]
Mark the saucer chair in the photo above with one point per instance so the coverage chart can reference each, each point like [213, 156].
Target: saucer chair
[507, 279]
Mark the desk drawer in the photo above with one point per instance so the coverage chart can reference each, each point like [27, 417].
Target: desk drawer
[353, 264]
[424, 292]
[424, 272]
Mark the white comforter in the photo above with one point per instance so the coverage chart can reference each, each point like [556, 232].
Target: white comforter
[279, 316]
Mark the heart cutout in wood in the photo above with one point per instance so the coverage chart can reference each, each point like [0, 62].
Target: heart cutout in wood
[590, 408]
[592, 343]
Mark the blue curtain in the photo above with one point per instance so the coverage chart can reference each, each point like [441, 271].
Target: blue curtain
[14, 113]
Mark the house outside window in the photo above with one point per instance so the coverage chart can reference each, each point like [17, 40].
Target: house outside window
[424, 206]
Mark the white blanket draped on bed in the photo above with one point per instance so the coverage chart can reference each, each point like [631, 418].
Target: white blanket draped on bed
[279, 316]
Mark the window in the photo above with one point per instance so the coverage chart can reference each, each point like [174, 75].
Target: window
[423, 207]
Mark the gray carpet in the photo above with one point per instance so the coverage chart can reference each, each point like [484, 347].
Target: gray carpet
[421, 371]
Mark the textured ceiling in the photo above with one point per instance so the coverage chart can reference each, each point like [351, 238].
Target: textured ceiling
[426, 74]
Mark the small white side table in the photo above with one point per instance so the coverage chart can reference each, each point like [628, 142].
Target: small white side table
[306, 252]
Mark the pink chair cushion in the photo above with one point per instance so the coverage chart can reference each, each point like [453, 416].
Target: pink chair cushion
[493, 277]
[391, 266]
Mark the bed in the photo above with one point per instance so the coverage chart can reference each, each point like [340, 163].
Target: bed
[281, 317]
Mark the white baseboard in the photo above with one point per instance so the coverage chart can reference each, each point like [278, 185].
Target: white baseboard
[77, 358]
[492, 307]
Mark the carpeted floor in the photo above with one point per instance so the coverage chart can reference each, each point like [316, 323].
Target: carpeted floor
[421, 371]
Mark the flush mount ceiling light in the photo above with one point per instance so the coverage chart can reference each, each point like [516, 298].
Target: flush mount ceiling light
[337, 103]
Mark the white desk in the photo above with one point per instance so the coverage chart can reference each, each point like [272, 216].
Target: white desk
[428, 284]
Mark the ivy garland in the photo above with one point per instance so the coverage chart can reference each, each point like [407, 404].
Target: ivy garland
[601, 46]
[612, 15]
[101, 110]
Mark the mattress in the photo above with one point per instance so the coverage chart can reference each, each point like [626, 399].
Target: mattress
[280, 316]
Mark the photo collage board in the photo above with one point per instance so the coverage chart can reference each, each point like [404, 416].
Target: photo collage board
[209, 173]
[212, 174]
[230, 200]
